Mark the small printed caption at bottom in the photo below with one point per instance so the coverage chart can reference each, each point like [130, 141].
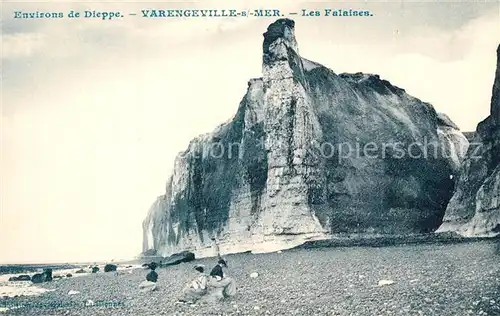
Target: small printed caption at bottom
[62, 305]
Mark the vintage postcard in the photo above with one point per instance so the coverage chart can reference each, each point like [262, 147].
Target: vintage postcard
[250, 158]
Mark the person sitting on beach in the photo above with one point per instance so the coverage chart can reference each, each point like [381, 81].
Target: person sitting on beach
[217, 271]
[151, 278]
[196, 288]
[220, 281]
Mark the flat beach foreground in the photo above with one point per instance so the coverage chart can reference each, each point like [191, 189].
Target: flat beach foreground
[457, 279]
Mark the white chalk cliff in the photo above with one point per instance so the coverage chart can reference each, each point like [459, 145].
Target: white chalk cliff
[474, 209]
[278, 183]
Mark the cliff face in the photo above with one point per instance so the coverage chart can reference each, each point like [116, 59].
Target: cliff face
[474, 209]
[309, 154]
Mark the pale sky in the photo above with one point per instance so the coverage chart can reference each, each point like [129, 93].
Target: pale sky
[94, 112]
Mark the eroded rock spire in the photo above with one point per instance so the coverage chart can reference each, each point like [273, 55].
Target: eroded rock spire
[279, 32]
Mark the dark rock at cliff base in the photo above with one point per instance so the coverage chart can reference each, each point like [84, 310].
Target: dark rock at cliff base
[110, 267]
[184, 256]
[95, 269]
[391, 240]
[308, 154]
[474, 209]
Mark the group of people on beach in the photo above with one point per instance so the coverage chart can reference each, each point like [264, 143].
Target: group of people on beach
[216, 285]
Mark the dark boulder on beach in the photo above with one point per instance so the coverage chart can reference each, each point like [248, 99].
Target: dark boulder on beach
[38, 278]
[184, 256]
[69, 275]
[45, 276]
[95, 269]
[152, 265]
[80, 271]
[110, 267]
[23, 277]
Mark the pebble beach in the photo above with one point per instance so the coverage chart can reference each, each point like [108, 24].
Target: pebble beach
[441, 280]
